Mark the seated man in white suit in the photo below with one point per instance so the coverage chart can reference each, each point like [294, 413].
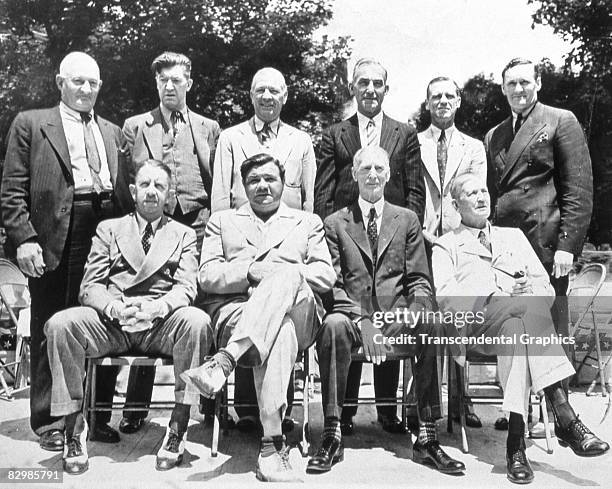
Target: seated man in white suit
[263, 267]
[495, 271]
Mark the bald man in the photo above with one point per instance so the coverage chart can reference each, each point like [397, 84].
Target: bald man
[62, 175]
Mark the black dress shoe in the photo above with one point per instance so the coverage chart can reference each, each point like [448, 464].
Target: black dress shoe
[501, 424]
[432, 453]
[471, 420]
[329, 453]
[52, 440]
[346, 427]
[581, 440]
[518, 469]
[287, 425]
[391, 424]
[248, 424]
[131, 425]
[104, 434]
[75, 459]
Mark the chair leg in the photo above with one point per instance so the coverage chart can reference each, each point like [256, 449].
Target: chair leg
[463, 376]
[405, 383]
[215, 434]
[306, 407]
[6, 391]
[449, 382]
[92, 390]
[600, 366]
[546, 426]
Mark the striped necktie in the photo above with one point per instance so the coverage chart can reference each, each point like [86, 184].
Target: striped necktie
[442, 151]
[91, 151]
[371, 133]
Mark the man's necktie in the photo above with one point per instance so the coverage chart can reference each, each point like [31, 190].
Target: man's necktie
[442, 157]
[518, 123]
[482, 237]
[147, 237]
[265, 135]
[371, 133]
[373, 233]
[91, 152]
[177, 120]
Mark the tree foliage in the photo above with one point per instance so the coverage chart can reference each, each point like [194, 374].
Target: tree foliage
[227, 41]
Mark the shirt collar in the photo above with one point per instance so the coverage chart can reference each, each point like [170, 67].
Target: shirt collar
[448, 132]
[515, 115]
[167, 113]
[476, 231]
[142, 224]
[365, 207]
[363, 120]
[259, 124]
[71, 113]
[279, 212]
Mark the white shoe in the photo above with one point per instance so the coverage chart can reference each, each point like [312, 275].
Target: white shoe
[276, 467]
[171, 451]
[75, 459]
[208, 378]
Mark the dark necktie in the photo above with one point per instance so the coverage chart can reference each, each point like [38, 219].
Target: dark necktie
[442, 157]
[371, 133]
[91, 152]
[265, 134]
[373, 233]
[482, 237]
[177, 120]
[518, 123]
[147, 237]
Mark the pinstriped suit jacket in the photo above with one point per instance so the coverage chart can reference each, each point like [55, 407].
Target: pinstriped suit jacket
[334, 185]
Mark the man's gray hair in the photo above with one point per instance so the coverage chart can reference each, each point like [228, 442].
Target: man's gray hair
[375, 153]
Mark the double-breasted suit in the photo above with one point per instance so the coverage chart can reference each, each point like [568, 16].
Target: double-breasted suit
[334, 185]
[363, 287]
[39, 204]
[464, 155]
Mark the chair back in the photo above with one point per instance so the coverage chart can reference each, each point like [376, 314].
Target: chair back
[582, 292]
[14, 293]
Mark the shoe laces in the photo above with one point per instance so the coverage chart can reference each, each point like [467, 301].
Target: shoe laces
[174, 441]
[579, 428]
[74, 446]
[284, 458]
[519, 456]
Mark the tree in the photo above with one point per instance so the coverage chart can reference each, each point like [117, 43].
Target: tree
[227, 41]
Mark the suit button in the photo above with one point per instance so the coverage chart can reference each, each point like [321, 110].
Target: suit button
[368, 288]
[63, 209]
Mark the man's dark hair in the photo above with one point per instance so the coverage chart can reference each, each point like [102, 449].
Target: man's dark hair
[153, 164]
[521, 61]
[169, 59]
[260, 160]
[440, 79]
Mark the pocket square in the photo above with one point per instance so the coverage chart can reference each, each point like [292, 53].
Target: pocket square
[543, 138]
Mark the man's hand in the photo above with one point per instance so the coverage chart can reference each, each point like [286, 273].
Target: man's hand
[522, 286]
[149, 310]
[562, 264]
[375, 353]
[260, 270]
[30, 259]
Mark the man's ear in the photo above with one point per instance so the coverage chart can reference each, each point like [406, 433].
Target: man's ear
[455, 206]
[132, 188]
[59, 81]
[354, 173]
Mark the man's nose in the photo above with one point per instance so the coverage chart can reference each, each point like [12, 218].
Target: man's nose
[169, 85]
[86, 87]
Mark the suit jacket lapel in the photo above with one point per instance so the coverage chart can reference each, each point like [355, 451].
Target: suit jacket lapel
[350, 135]
[470, 244]
[110, 146]
[199, 133]
[283, 144]
[356, 230]
[501, 140]
[429, 155]
[250, 143]
[129, 244]
[245, 225]
[389, 135]
[278, 231]
[456, 153]
[152, 134]
[388, 228]
[165, 241]
[54, 131]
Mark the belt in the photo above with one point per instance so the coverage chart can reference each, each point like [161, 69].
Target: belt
[93, 197]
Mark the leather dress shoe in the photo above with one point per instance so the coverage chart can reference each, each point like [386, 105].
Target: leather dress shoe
[287, 424]
[581, 440]
[52, 440]
[518, 469]
[75, 460]
[276, 467]
[131, 425]
[104, 434]
[347, 427]
[170, 454]
[432, 453]
[501, 424]
[329, 453]
[208, 378]
[248, 424]
[471, 420]
[391, 424]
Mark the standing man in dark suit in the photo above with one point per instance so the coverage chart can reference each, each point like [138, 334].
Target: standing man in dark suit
[335, 189]
[378, 254]
[539, 176]
[185, 142]
[62, 175]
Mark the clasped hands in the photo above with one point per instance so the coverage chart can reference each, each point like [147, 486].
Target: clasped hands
[137, 314]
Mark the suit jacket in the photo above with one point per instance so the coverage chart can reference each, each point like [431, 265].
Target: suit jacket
[401, 267]
[117, 266]
[464, 268]
[144, 133]
[334, 185]
[292, 147]
[465, 155]
[233, 242]
[38, 184]
[541, 181]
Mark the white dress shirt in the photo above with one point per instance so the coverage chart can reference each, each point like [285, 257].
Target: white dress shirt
[365, 207]
[363, 124]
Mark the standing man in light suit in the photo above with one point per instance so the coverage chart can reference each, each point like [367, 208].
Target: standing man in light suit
[185, 142]
[62, 175]
[335, 189]
[265, 132]
[447, 153]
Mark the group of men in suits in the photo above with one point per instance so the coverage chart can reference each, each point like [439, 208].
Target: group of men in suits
[388, 196]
